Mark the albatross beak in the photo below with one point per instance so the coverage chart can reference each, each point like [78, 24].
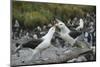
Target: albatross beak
[56, 25]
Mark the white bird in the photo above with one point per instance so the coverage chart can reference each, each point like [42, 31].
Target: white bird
[81, 24]
[66, 34]
[35, 36]
[40, 44]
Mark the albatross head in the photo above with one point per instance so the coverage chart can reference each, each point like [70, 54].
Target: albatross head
[52, 29]
[61, 26]
[81, 20]
[50, 33]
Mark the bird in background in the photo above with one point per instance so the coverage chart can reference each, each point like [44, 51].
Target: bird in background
[81, 24]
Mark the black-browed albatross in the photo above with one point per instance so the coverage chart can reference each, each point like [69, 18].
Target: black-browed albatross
[39, 45]
[66, 34]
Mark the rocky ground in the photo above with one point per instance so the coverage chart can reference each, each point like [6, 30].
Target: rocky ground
[50, 55]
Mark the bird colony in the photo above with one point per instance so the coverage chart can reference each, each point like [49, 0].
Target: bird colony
[57, 42]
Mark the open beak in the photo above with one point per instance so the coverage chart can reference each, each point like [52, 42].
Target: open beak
[55, 23]
[56, 27]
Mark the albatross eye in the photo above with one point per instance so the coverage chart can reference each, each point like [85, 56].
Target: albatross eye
[60, 24]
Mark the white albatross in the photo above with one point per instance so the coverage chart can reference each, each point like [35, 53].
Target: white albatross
[81, 24]
[39, 44]
[66, 34]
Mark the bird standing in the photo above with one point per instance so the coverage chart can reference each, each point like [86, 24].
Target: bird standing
[39, 44]
[69, 36]
[81, 24]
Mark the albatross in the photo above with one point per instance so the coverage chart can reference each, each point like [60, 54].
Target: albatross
[81, 24]
[66, 34]
[39, 45]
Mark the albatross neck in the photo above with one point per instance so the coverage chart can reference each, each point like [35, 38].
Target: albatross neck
[65, 29]
[49, 35]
